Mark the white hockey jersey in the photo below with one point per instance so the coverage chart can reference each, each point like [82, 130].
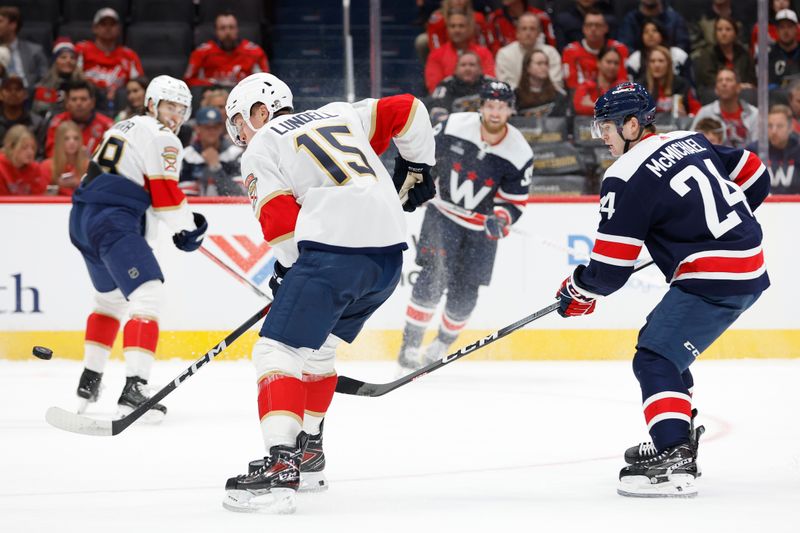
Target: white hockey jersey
[146, 152]
[315, 180]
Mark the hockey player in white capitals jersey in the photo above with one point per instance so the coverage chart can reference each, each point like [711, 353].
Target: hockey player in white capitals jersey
[331, 212]
[691, 203]
[131, 182]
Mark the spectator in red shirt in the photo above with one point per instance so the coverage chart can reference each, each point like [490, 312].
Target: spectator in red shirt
[19, 173]
[69, 162]
[104, 61]
[81, 110]
[586, 94]
[442, 61]
[437, 23]
[48, 98]
[226, 59]
[580, 58]
[503, 24]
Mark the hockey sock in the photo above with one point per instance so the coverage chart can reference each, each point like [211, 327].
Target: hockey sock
[101, 330]
[139, 341]
[417, 318]
[688, 380]
[665, 399]
[450, 328]
[281, 402]
[319, 394]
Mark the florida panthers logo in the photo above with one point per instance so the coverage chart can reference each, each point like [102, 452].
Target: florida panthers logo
[252, 190]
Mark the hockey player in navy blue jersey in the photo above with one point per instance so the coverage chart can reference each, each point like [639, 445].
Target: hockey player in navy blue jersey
[691, 203]
[484, 172]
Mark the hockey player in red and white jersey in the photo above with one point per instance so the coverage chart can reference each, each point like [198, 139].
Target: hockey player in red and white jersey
[331, 212]
[132, 181]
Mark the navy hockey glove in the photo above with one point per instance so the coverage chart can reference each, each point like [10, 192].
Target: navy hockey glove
[277, 278]
[190, 240]
[573, 302]
[413, 183]
[497, 225]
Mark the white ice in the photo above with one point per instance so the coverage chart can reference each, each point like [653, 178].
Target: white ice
[476, 446]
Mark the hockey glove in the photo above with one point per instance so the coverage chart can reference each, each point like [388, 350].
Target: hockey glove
[572, 301]
[277, 278]
[413, 183]
[497, 225]
[190, 240]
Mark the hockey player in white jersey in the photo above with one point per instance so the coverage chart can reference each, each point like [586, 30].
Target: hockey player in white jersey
[332, 214]
[131, 182]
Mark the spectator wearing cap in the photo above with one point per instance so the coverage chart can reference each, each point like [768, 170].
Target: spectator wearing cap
[105, 62]
[727, 53]
[442, 62]
[630, 30]
[775, 6]
[211, 161]
[80, 108]
[13, 95]
[508, 62]
[48, 98]
[28, 60]
[784, 53]
[226, 59]
[134, 93]
[784, 151]
[19, 172]
[738, 118]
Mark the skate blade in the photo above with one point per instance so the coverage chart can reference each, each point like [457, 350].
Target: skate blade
[276, 501]
[678, 486]
[152, 417]
[313, 482]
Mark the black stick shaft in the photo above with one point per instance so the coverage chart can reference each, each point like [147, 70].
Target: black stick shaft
[119, 425]
[347, 385]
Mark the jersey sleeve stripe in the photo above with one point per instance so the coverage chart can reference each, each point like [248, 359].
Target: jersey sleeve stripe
[760, 171]
[516, 199]
[619, 239]
[410, 118]
[391, 115]
[749, 166]
[594, 256]
[278, 217]
[617, 250]
[165, 194]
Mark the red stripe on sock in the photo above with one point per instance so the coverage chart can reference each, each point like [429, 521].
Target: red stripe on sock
[278, 392]
[667, 405]
[319, 391]
[140, 333]
[101, 329]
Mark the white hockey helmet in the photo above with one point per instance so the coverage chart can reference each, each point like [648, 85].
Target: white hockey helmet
[169, 89]
[256, 88]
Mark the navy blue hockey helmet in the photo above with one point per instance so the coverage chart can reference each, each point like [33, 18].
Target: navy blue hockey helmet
[628, 99]
[497, 90]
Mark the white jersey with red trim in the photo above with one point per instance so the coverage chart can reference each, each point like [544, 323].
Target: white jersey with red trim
[315, 180]
[146, 152]
[691, 203]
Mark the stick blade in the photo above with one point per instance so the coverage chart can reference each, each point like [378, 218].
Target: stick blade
[68, 421]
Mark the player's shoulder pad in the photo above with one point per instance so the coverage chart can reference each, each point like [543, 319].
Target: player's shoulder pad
[628, 164]
[515, 148]
[464, 126]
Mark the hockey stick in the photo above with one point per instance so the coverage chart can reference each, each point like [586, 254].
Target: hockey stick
[355, 387]
[85, 425]
[233, 273]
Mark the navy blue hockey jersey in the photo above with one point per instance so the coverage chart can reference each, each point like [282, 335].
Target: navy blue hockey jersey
[476, 177]
[691, 203]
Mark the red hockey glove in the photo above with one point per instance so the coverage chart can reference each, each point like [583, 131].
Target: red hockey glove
[572, 301]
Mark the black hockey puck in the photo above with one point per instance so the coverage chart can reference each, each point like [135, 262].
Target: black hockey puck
[42, 353]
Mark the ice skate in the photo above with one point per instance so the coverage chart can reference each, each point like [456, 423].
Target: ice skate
[135, 394]
[408, 361]
[647, 450]
[435, 351]
[271, 488]
[669, 474]
[89, 388]
[312, 467]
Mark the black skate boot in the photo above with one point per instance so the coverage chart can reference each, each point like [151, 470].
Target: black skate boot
[312, 467]
[88, 388]
[670, 474]
[272, 487]
[646, 450]
[134, 395]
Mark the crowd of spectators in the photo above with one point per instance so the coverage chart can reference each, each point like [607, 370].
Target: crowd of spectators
[701, 73]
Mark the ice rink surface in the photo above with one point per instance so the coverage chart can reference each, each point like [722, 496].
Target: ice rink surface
[476, 446]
